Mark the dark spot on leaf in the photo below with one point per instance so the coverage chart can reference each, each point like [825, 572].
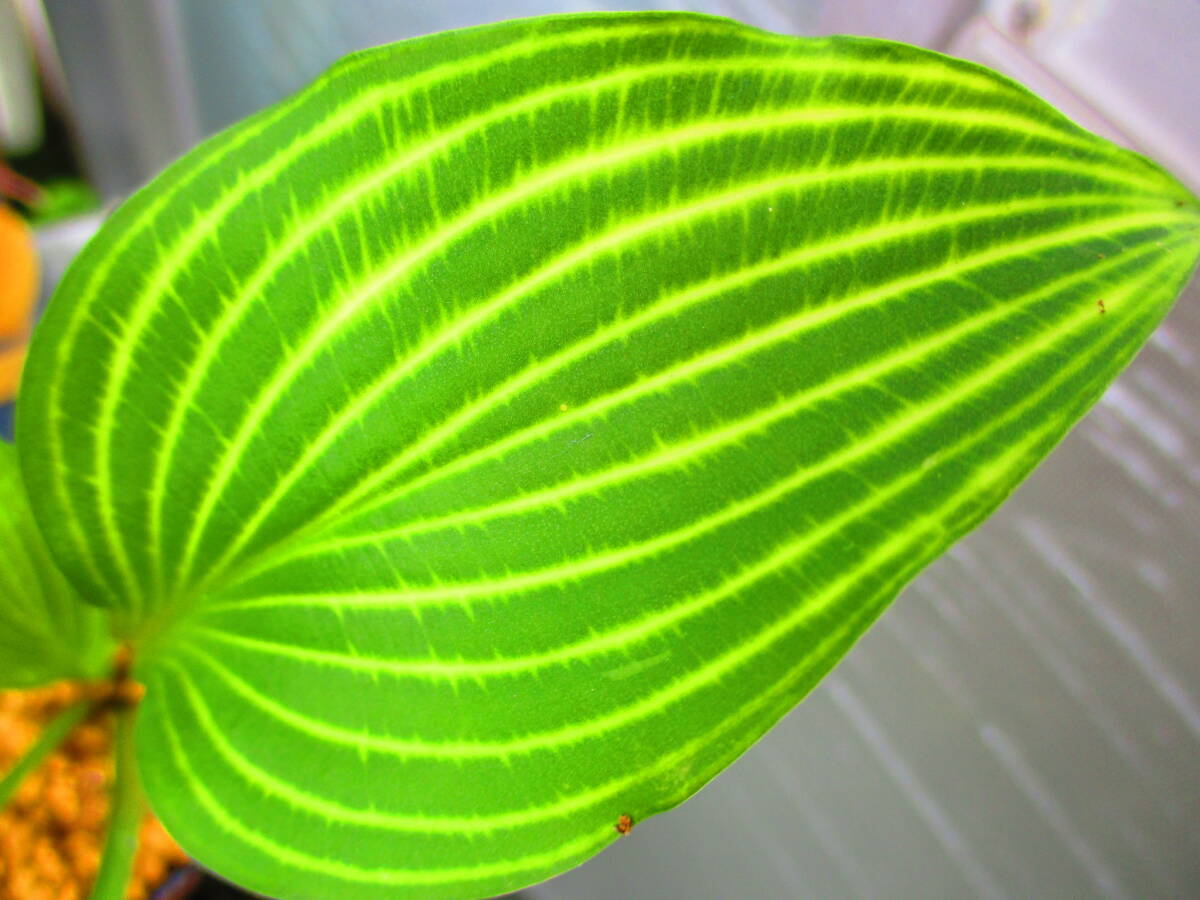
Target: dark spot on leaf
[624, 824]
[1100, 303]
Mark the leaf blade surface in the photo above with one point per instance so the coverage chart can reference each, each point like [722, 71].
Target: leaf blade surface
[498, 449]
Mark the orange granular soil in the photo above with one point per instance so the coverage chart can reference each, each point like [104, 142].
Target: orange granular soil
[52, 832]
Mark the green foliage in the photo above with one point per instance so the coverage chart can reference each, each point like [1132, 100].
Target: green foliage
[46, 633]
[496, 438]
[62, 199]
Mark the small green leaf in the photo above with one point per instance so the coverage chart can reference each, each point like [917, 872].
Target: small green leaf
[47, 633]
[496, 438]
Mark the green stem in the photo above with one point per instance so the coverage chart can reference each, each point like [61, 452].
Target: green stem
[52, 735]
[125, 815]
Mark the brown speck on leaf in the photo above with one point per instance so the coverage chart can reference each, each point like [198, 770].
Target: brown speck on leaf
[624, 824]
[1100, 303]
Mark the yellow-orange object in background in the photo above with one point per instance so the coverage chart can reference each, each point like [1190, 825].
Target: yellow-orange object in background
[18, 291]
[11, 360]
[18, 274]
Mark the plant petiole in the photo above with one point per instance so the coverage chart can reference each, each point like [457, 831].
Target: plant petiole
[126, 809]
[53, 735]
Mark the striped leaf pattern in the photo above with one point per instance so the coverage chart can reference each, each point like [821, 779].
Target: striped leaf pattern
[46, 632]
[495, 439]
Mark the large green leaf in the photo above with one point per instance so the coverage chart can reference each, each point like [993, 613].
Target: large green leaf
[495, 439]
[47, 632]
